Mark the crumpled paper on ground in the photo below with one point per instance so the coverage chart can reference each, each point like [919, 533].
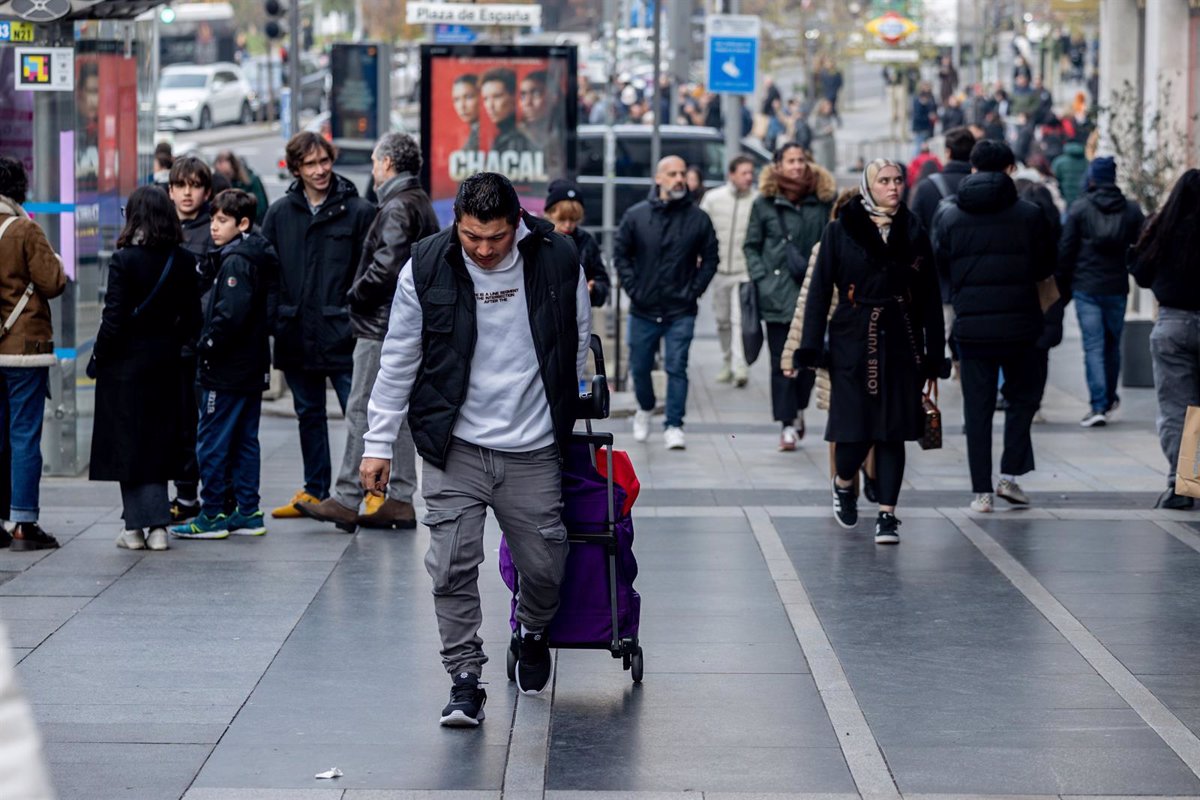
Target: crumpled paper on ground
[332, 772]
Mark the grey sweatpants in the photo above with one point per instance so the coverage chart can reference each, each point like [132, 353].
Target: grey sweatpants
[524, 491]
[1175, 355]
[348, 490]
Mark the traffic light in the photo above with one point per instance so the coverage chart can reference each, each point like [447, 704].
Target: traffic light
[275, 11]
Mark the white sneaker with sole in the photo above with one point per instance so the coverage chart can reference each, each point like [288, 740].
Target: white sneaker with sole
[131, 540]
[788, 439]
[1012, 492]
[673, 438]
[156, 539]
[740, 377]
[1094, 419]
[725, 375]
[982, 504]
[641, 425]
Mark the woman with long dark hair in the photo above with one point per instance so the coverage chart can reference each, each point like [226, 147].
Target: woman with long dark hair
[1166, 260]
[151, 307]
[886, 339]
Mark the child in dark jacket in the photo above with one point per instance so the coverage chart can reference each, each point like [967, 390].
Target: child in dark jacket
[234, 357]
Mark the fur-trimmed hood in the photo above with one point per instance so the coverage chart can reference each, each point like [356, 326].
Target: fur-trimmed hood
[827, 191]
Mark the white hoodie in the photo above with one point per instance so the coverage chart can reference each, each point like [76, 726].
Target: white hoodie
[505, 407]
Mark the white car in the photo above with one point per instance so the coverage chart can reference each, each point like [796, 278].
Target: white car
[194, 96]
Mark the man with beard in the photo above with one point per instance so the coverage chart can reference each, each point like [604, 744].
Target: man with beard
[465, 96]
[499, 88]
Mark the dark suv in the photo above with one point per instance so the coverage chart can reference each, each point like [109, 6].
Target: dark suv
[702, 147]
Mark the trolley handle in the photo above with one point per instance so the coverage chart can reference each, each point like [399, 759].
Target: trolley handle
[595, 404]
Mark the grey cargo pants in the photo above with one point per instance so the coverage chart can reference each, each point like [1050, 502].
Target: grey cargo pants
[524, 491]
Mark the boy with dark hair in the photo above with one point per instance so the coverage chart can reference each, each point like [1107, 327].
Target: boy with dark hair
[234, 362]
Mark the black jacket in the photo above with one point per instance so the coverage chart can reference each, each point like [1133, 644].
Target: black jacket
[1100, 228]
[886, 335]
[141, 426]
[447, 297]
[405, 217]
[666, 254]
[318, 254]
[234, 349]
[993, 248]
[593, 265]
[1052, 320]
[197, 234]
[927, 197]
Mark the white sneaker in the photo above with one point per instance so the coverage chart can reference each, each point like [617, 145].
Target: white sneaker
[673, 438]
[157, 539]
[1012, 492]
[641, 425]
[131, 540]
[740, 377]
[983, 503]
[788, 439]
[725, 375]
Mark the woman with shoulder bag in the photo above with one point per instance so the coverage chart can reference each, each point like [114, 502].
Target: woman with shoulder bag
[151, 307]
[31, 273]
[786, 220]
[886, 339]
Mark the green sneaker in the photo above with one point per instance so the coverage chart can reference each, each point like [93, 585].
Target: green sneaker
[203, 527]
[241, 523]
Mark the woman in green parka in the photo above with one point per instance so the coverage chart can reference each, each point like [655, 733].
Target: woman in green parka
[795, 196]
[242, 177]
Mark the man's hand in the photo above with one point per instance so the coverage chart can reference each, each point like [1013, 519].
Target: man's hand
[374, 474]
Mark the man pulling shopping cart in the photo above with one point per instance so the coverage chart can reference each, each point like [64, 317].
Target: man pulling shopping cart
[487, 341]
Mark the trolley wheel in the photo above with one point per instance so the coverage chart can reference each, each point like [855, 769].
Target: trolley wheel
[636, 665]
[512, 663]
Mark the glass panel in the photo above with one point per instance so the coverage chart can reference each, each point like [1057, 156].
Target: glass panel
[184, 80]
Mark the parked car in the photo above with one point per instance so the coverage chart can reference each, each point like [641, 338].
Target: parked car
[267, 78]
[194, 96]
[702, 147]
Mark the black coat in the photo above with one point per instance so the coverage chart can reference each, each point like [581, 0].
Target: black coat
[993, 248]
[318, 255]
[1052, 320]
[927, 197]
[593, 266]
[881, 350]
[1100, 228]
[666, 254]
[405, 217]
[234, 349]
[139, 432]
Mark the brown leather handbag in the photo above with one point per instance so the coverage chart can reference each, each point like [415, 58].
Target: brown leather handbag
[931, 435]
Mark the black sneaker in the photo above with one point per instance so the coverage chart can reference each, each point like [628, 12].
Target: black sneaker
[28, 536]
[534, 665]
[845, 505]
[1169, 499]
[183, 510]
[887, 528]
[465, 709]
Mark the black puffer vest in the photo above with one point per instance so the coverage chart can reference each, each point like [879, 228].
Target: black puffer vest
[447, 297]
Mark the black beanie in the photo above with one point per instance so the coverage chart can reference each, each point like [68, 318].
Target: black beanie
[562, 189]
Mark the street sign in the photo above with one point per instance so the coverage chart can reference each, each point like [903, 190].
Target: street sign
[16, 32]
[45, 69]
[454, 34]
[882, 56]
[521, 16]
[731, 53]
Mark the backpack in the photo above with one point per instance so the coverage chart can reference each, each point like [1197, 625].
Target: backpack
[1105, 232]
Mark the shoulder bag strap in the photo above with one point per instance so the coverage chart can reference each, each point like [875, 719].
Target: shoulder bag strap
[939, 181]
[782, 224]
[25, 295]
[153, 292]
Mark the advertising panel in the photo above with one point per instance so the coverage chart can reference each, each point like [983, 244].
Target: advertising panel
[497, 108]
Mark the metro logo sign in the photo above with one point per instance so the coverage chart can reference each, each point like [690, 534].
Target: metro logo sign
[44, 69]
[891, 28]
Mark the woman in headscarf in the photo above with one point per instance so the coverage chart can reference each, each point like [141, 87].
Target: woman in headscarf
[886, 341]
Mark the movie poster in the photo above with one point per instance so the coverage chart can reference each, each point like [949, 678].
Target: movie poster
[497, 108]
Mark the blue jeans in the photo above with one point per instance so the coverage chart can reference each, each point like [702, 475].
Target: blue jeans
[1101, 320]
[22, 403]
[227, 449]
[308, 398]
[644, 336]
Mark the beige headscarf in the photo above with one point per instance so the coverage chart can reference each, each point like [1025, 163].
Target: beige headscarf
[882, 217]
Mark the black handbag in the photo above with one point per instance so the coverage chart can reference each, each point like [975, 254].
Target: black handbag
[752, 326]
[795, 261]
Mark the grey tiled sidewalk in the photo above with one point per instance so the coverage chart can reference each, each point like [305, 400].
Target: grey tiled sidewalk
[1042, 653]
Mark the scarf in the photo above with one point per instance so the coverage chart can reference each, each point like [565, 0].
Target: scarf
[882, 217]
[796, 189]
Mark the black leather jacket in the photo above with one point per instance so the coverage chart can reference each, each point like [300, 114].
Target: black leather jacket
[405, 217]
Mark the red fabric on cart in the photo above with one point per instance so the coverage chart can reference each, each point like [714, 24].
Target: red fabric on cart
[623, 476]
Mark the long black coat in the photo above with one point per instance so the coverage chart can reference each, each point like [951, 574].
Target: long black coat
[139, 431]
[875, 375]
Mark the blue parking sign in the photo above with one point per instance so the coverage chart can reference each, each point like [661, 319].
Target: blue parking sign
[731, 53]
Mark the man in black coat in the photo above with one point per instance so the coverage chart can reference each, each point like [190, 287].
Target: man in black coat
[318, 228]
[666, 254]
[1100, 228]
[994, 248]
[405, 217]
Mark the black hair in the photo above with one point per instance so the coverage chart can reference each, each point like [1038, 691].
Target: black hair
[959, 142]
[990, 155]
[1171, 233]
[163, 155]
[187, 169]
[502, 74]
[14, 183]
[777, 159]
[150, 220]
[537, 76]
[469, 78]
[487, 196]
[236, 203]
[738, 161]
